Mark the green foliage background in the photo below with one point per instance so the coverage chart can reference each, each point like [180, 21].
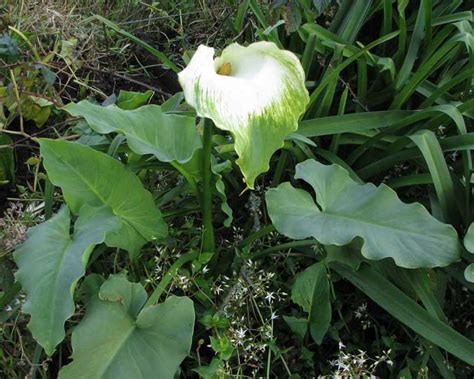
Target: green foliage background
[352, 256]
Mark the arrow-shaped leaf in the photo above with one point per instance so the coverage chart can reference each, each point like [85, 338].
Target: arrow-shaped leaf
[87, 176]
[389, 228]
[51, 261]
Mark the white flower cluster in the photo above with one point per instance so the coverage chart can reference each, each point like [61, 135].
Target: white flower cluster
[357, 364]
[250, 303]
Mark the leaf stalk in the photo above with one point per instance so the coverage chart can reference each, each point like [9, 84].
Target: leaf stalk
[208, 242]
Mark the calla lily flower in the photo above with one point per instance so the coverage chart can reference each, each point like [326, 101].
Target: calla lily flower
[256, 92]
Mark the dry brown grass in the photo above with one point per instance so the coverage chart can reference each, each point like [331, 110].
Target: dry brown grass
[91, 59]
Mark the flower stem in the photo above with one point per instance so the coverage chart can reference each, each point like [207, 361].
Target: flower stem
[173, 270]
[208, 244]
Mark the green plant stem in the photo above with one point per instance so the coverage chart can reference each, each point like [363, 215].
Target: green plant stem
[284, 246]
[27, 41]
[279, 169]
[269, 362]
[36, 360]
[173, 270]
[258, 234]
[48, 199]
[179, 212]
[208, 244]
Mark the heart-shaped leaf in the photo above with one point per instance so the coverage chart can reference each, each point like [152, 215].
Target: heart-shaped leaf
[389, 228]
[87, 176]
[51, 261]
[116, 340]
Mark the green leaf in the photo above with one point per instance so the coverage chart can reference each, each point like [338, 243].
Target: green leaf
[469, 245]
[131, 100]
[50, 263]
[407, 232]
[87, 176]
[337, 70]
[156, 53]
[321, 5]
[311, 291]
[132, 296]
[223, 346]
[352, 19]
[7, 160]
[423, 72]
[406, 310]
[347, 255]
[429, 146]
[169, 137]
[292, 16]
[211, 371]
[469, 239]
[173, 103]
[327, 39]
[298, 325]
[240, 16]
[415, 42]
[117, 340]
[455, 143]
[90, 287]
[217, 169]
[469, 273]
[350, 123]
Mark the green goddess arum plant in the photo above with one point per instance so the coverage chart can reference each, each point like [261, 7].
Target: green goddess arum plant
[257, 93]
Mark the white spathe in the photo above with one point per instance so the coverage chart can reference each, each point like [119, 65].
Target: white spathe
[255, 92]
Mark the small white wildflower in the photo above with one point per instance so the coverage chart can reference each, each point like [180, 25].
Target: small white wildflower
[241, 333]
[361, 311]
[270, 297]
[342, 366]
[217, 290]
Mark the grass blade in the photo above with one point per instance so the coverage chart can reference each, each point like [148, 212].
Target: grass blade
[434, 158]
[335, 73]
[455, 143]
[415, 43]
[407, 311]
[156, 53]
[353, 122]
